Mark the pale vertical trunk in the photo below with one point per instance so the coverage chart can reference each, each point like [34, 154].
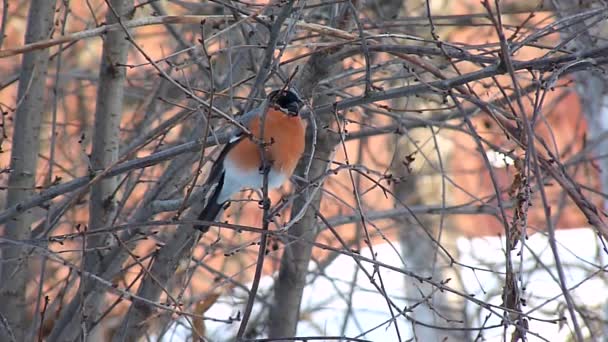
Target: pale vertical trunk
[421, 253]
[602, 148]
[106, 129]
[593, 92]
[24, 157]
[106, 143]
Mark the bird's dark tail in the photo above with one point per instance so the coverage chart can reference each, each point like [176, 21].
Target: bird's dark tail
[213, 208]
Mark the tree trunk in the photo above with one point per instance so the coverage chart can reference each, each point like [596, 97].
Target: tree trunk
[592, 89]
[106, 143]
[24, 160]
[179, 243]
[289, 286]
[106, 131]
[421, 253]
[285, 310]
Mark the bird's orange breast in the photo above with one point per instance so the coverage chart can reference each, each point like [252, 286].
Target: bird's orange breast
[284, 139]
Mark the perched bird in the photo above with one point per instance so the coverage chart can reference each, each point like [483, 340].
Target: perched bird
[240, 164]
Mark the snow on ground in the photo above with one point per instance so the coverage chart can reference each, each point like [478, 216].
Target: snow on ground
[585, 265]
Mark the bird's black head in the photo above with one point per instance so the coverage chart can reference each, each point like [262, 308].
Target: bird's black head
[287, 100]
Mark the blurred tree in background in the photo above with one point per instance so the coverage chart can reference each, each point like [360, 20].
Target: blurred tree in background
[429, 124]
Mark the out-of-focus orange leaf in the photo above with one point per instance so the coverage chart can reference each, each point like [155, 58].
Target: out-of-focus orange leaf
[198, 324]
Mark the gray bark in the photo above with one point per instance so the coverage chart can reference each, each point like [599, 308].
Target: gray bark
[106, 143]
[418, 249]
[24, 161]
[285, 311]
[289, 287]
[106, 131]
[178, 247]
[592, 88]
[179, 244]
[420, 252]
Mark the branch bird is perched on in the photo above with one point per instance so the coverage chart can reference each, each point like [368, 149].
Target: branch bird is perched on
[240, 164]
